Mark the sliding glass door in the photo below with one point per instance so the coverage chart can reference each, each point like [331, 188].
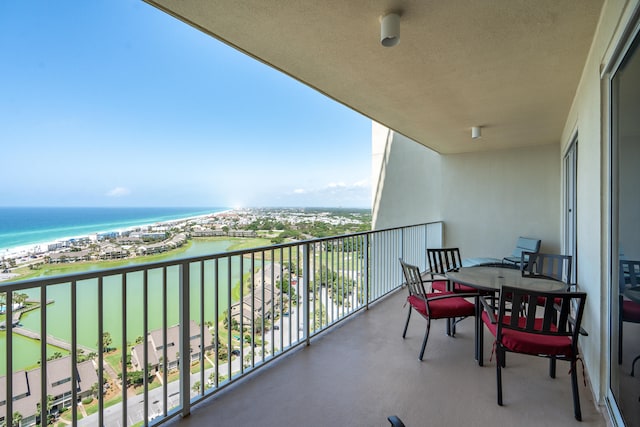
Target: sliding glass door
[625, 303]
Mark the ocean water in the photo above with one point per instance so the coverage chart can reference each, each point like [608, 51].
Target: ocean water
[21, 226]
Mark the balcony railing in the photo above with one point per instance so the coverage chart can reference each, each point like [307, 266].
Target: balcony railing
[177, 332]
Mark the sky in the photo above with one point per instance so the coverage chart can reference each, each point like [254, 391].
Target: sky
[115, 103]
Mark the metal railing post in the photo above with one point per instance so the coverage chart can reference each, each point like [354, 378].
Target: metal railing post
[306, 275]
[185, 350]
[9, 351]
[366, 270]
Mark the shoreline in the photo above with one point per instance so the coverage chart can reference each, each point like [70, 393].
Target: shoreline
[35, 248]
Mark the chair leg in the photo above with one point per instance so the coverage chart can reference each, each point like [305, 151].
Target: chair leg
[406, 325]
[620, 345]
[574, 385]
[552, 367]
[426, 337]
[479, 340]
[620, 331]
[499, 355]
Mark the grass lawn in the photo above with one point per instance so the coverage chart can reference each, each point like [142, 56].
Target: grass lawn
[77, 267]
[114, 359]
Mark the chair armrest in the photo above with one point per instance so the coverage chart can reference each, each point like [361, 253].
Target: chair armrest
[489, 309]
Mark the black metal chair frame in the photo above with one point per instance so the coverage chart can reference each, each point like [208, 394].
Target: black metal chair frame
[441, 261]
[548, 266]
[557, 320]
[415, 284]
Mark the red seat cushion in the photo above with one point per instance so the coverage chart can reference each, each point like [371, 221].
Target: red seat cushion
[630, 311]
[529, 343]
[441, 286]
[443, 308]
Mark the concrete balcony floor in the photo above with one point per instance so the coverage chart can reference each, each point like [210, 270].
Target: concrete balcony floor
[363, 371]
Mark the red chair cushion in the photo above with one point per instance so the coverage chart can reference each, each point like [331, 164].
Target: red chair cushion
[459, 288]
[440, 286]
[631, 311]
[443, 308]
[528, 343]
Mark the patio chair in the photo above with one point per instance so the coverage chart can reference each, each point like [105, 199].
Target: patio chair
[441, 261]
[548, 266]
[440, 305]
[524, 244]
[629, 311]
[539, 336]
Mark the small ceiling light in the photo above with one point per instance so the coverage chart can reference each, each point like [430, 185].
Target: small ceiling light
[476, 132]
[390, 30]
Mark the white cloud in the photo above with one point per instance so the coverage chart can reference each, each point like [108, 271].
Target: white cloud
[118, 192]
[333, 194]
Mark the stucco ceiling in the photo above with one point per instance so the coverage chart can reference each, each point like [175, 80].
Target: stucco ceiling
[510, 66]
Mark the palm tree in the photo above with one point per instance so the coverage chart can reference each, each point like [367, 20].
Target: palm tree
[17, 419]
[106, 341]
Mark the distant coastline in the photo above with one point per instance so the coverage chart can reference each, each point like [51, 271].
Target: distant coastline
[156, 235]
[23, 230]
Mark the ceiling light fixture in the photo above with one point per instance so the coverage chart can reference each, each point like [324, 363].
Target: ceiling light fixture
[476, 132]
[390, 30]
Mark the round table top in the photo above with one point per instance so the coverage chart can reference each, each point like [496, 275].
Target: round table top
[493, 278]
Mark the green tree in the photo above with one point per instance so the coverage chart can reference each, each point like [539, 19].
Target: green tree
[95, 388]
[196, 387]
[49, 406]
[17, 419]
[106, 341]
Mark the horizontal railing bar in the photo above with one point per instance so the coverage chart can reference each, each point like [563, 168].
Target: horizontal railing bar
[54, 280]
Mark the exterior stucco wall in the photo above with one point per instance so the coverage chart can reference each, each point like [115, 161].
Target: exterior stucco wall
[492, 198]
[406, 181]
[486, 200]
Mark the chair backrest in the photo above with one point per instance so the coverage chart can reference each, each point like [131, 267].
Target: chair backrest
[443, 260]
[413, 279]
[562, 312]
[629, 274]
[526, 244]
[552, 266]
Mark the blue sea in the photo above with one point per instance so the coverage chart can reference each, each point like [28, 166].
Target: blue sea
[21, 226]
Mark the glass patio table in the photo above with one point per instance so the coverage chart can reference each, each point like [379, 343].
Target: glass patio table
[492, 279]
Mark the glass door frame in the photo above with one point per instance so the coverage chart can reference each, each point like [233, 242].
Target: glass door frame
[626, 41]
